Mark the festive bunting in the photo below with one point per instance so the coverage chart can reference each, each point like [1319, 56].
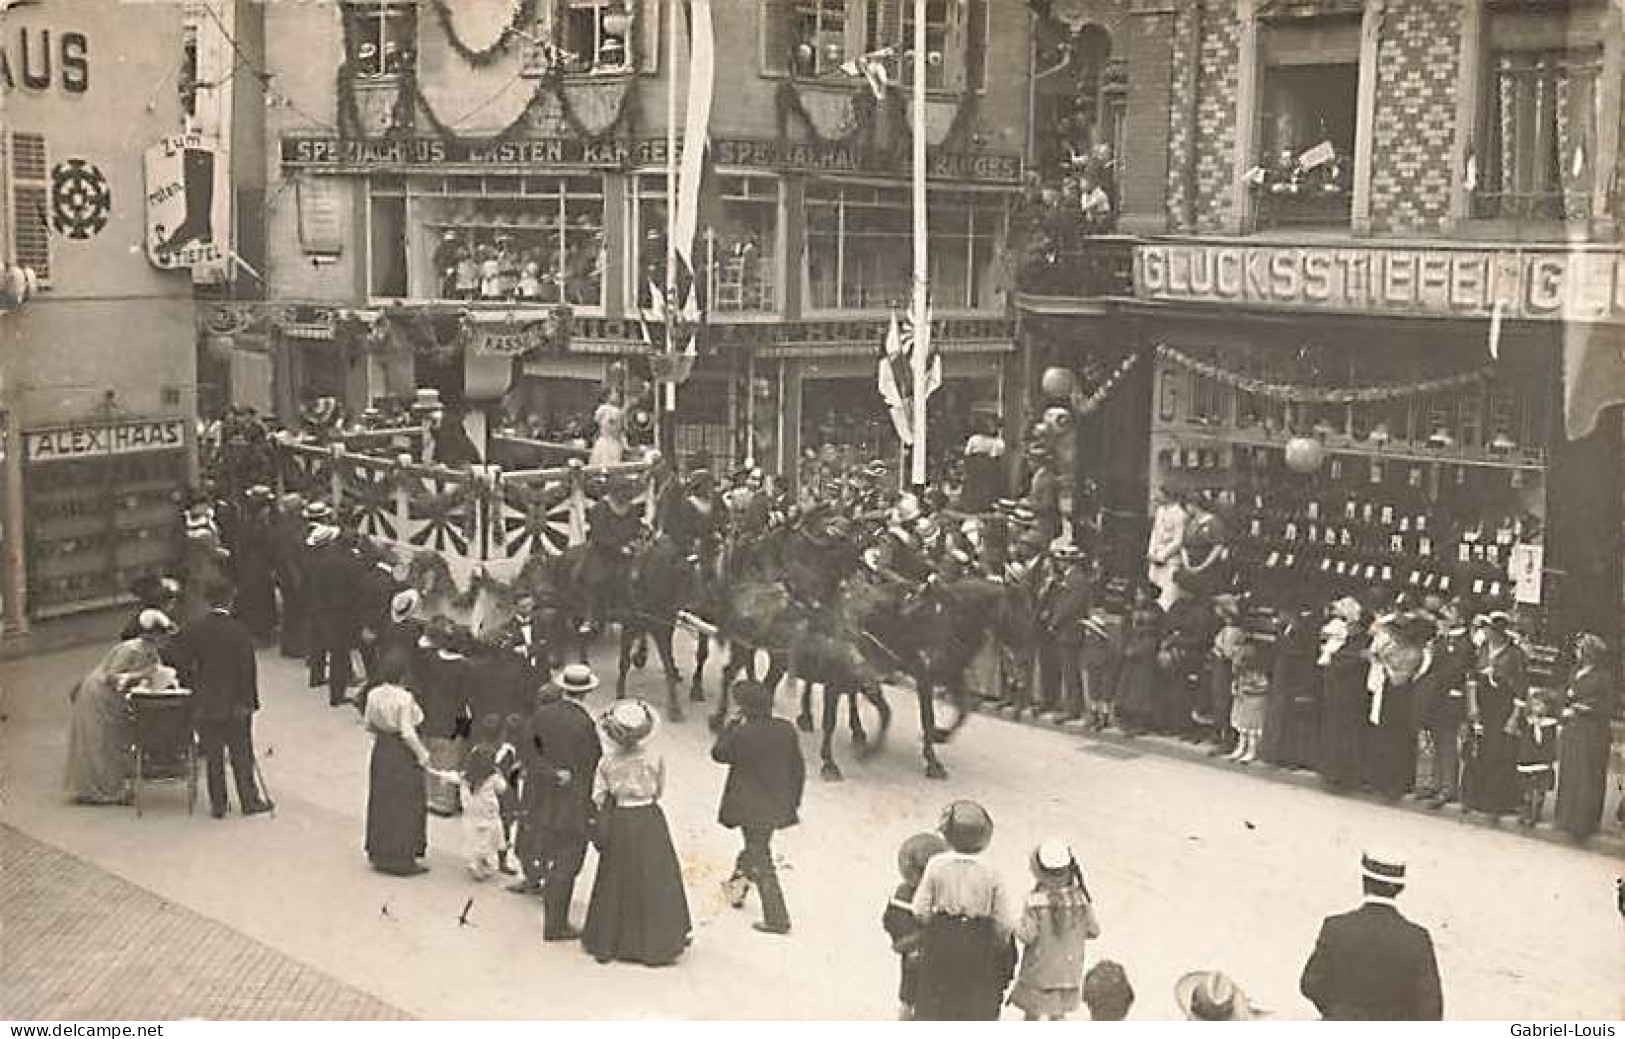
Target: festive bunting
[1298, 393]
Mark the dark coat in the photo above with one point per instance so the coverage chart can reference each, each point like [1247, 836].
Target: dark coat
[1372, 964]
[500, 682]
[442, 688]
[563, 738]
[335, 595]
[215, 657]
[765, 773]
[1067, 606]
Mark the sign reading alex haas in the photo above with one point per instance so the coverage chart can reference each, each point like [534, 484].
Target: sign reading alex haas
[126, 438]
[1425, 282]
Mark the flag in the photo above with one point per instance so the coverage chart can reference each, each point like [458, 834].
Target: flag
[894, 378]
[1593, 373]
[1495, 332]
[922, 351]
[1319, 155]
[691, 171]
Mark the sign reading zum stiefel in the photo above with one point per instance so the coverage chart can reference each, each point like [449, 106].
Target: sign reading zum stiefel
[188, 204]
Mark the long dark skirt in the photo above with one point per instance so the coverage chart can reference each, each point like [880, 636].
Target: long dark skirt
[1137, 691]
[397, 813]
[1582, 776]
[965, 966]
[639, 911]
[1390, 761]
[1342, 727]
[1489, 778]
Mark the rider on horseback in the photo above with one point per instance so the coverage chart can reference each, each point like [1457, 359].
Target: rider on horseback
[614, 522]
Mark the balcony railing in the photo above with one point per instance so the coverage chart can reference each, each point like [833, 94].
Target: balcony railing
[1532, 205]
[1102, 265]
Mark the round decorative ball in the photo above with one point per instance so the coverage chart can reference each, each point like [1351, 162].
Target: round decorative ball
[1058, 383]
[1304, 454]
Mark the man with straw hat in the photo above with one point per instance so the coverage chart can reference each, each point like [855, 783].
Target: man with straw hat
[1372, 964]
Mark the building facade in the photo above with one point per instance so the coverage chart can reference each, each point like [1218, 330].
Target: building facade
[475, 200]
[97, 380]
[1359, 240]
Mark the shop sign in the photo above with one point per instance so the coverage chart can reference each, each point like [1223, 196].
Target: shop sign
[865, 333]
[124, 438]
[188, 203]
[506, 341]
[336, 153]
[1527, 284]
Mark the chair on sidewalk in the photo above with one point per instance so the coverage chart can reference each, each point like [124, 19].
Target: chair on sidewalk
[165, 743]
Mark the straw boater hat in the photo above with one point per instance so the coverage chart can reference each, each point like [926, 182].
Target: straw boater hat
[1210, 995]
[1384, 867]
[402, 605]
[577, 680]
[155, 622]
[317, 511]
[1053, 856]
[629, 722]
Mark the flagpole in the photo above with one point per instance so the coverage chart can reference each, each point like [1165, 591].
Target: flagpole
[919, 355]
[666, 434]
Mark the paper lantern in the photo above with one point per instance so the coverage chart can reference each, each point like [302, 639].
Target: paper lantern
[1304, 454]
[1058, 383]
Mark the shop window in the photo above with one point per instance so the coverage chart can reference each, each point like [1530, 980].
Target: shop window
[736, 250]
[383, 36]
[30, 204]
[509, 240]
[860, 248]
[1304, 175]
[1539, 136]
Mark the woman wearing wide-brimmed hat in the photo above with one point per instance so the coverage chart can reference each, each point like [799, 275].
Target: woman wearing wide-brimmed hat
[639, 911]
[101, 729]
[1584, 745]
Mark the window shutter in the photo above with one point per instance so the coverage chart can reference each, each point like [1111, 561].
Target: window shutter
[647, 26]
[955, 50]
[977, 34]
[777, 32]
[30, 204]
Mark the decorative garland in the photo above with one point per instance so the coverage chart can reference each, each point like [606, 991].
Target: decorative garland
[789, 106]
[1091, 404]
[524, 15]
[1297, 393]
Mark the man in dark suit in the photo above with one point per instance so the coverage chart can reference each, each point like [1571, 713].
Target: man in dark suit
[333, 595]
[557, 813]
[216, 657]
[763, 793]
[1372, 964]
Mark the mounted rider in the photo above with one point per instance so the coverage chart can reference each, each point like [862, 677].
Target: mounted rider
[614, 523]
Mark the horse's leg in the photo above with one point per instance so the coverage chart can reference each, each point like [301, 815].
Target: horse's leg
[854, 721]
[928, 728]
[624, 663]
[668, 661]
[831, 771]
[876, 697]
[720, 715]
[804, 718]
[777, 669]
[702, 654]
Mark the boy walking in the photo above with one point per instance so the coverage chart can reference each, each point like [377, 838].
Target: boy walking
[763, 793]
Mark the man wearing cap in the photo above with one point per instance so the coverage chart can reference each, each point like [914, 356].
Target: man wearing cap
[1441, 691]
[333, 603]
[1372, 964]
[556, 815]
[766, 775]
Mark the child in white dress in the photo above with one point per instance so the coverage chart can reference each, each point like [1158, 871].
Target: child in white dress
[485, 839]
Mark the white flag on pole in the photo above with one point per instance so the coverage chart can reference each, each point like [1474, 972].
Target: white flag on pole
[894, 362]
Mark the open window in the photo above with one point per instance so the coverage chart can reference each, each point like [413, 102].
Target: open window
[598, 36]
[1304, 176]
[382, 36]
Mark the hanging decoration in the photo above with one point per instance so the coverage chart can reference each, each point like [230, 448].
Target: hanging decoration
[524, 16]
[1297, 393]
[791, 108]
[1086, 406]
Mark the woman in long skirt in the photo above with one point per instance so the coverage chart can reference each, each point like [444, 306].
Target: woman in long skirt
[1490, 777]
[1346, 702]
[1292, 718]
[1582, 770]
[1137, 674]
[102, 730]
[397, 807]
[639, 911]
